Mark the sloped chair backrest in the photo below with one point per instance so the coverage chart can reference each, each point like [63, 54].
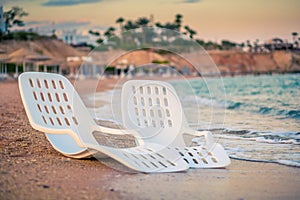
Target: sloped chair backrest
[154, 110]
[57, 106]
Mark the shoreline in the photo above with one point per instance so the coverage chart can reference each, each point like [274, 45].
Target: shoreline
[32, 169]
[223, 75]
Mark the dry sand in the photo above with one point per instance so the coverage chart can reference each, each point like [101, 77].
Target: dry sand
[32, 169]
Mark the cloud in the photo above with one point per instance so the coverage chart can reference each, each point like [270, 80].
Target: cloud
[4, 2]
[71, 24]
[68, 2]
[32, 23]
[191, 1]
[97, 27]
[62, 25]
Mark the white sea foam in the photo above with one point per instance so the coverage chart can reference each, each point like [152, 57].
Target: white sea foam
[259, 139]
[289, 163]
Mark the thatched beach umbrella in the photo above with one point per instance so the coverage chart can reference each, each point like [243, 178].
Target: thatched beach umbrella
[23, 56]
[73, 63]
[3, 61]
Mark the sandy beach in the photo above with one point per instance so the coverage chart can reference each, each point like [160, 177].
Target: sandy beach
[32, 169]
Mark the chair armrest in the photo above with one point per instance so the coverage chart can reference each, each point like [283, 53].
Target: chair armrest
[209, 140]
[114, 131]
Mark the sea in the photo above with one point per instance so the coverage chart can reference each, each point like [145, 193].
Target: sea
[255, 118]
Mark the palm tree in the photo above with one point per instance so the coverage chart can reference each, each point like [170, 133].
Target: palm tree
[190, 31]
[13, 17]
[249, 45]
[99, 40]
[95, 33]
[130, 25]
[170, 26]
[120, 21]
[110, 32]
[178, 21]
[159, 25]
[256, 46]
[294, 34]
[143, 21]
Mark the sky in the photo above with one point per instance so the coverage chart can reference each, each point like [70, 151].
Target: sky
[214, 20]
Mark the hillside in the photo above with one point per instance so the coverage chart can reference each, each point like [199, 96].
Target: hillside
[228, 62]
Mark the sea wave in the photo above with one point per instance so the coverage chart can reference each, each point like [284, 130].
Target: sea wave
[261, 146]
[282, 162]
[238, 105]
[270, 137]
[294, 114]
[276, 95]
[234, 105]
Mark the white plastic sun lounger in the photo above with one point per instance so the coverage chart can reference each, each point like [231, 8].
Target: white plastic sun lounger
[54, 107]
[153, 109]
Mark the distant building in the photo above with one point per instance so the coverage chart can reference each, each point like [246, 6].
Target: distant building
[2, 23]
[278, 44]
[68, 36]
[75, 37]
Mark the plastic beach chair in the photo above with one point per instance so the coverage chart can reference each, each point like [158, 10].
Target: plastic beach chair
[54, 107]
[153, 109]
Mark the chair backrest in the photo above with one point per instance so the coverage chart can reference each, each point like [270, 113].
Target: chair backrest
[153, 109]
[52, 104]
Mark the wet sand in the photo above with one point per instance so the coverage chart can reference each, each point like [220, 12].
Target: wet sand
[32, 169]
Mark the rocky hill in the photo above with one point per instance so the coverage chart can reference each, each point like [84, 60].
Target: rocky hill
[228, 62]
[232, 62]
